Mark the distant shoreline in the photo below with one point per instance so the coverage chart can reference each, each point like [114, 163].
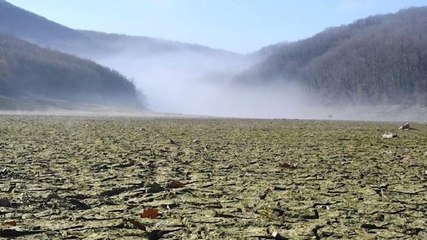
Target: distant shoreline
[344, 113]
[141, 114]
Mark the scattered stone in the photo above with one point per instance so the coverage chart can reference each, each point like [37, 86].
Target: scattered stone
[175, 184]
[12, 233]
[4, 173]
[114, 192]
[158, 234]
[405, 126]
[274, 235]
[250, 180]
[5, 202]
[196, 141]
[289, 165]
[368, 227]
[52, 196]
[155, 188]
[389, 135]
[77, 205]
[27, 216]
[277, 236]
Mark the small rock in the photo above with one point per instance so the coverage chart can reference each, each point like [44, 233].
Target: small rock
[425, 154]
[36, 228]
[11, 215]
[277, 236]
[196, 141]
[158, 234]
[175, 184]
[27, 216]
[405, 126]
[288, 165]
[52, 196]
[389, 135]
[155, 188]
[5, 202]
[5, 173]
[75, 204]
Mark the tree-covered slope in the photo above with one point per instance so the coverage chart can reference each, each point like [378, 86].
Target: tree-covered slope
[89, 44]
[25, 25]
[378, 60]
[29, 71]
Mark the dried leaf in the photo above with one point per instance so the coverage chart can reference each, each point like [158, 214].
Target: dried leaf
[175, 184]
[10, 223]
[150, 213]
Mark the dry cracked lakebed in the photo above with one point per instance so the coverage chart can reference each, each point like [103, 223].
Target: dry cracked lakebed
[117, 178]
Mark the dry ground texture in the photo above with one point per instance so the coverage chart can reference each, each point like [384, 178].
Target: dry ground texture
[92, 178]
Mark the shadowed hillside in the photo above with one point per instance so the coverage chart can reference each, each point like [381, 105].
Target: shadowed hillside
[30, 72]
[180, 71]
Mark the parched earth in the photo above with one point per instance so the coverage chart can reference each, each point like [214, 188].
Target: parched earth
[117, 178]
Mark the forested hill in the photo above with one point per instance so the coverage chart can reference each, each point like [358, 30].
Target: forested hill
[88, 44]
[23, 24]
[31, 72]
[152, 63]
[378, 60]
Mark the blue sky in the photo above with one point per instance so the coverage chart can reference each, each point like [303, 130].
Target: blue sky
[236, 25]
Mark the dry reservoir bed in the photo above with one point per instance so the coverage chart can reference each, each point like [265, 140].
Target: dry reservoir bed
[94, 178]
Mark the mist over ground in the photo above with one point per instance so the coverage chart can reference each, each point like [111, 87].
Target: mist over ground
[189, 83]
[372, 69]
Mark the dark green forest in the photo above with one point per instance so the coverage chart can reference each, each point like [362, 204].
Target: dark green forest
[378, 60]
[29, 71]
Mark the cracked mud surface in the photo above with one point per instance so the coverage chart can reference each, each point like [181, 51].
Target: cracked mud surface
[73, 178]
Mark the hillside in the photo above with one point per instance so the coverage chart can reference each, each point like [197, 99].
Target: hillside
[25, 25]
[29, 73]
[158, 67]
[37, 29]
[378, 60]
